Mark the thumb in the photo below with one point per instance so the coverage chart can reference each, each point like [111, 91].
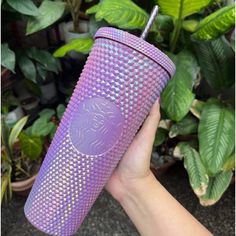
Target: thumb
[147, 133]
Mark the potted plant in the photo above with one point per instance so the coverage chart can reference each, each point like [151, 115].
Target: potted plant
[21, 158]
[23, 150]
[38, 68]
[77, 28]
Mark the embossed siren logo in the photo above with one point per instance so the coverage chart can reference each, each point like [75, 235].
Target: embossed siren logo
[96, 126]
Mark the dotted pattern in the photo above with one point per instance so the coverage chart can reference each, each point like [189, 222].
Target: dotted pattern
[139, 45]
[69, 182]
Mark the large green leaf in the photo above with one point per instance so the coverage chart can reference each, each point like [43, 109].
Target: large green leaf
[188, 125]
[216, 187]
[49, 12]
[31, 146]
[45, 58]
[216, 24]
[216, 135]
[8, 58]
[16, 130]
[122, 13]
[216, 59]
[198, 177]
[27, 67]
[181, 8]
[25, 7]
[177, 97]
[81, 45]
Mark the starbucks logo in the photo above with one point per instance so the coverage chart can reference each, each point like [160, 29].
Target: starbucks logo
[95, 126]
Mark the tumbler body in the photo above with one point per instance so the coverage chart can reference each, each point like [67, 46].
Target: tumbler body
[121, 80]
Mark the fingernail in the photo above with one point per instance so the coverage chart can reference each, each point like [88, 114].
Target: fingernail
[159, 100]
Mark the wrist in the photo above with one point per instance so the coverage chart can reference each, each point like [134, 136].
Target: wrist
[136, 189]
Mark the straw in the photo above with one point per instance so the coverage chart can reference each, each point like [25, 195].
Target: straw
[150, 22]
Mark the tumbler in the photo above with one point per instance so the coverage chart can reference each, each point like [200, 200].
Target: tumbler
[122, 78]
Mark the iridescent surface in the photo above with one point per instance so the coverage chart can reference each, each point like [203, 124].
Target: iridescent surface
[69, 181]
[96, 126]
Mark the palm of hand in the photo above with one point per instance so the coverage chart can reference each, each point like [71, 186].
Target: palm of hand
[135, 165]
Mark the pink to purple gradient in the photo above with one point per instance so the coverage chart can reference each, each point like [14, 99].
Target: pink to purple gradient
[122, 78]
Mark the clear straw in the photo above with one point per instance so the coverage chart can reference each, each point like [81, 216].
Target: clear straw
[150, 22]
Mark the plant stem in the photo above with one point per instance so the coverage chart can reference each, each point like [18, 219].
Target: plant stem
[74, 9]
[23, 171]
[175, 35]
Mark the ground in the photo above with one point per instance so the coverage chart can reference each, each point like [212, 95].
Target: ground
[107, 218]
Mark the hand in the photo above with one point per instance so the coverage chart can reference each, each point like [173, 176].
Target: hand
[134, 168]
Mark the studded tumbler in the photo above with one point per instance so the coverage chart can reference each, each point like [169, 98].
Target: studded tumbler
[121, 80]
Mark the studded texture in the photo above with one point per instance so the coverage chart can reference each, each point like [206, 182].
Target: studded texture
[72, 176]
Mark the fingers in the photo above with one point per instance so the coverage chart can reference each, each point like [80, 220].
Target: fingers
[148, 130]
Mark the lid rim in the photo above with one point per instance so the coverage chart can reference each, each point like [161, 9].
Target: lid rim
[138, 44]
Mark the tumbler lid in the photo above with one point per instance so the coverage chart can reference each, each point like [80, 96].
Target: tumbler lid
[138, 44]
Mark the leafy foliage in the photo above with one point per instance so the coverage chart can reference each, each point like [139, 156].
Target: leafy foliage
[161, 135]
[208, 155]
[16, 130]
[122, 13]
[229, 163]
[216, 24]
[25, 7]
[81, 45]
[196, 108]
[177, 97]
[49, 12]
[31, 146]
[197, 173]
[216, 187]
[216, 135]
[216, 59]
[190, 25]
[27, 67]
[187, 125]
[42, 127]
[7, 57]
[33, 62]
[181, 8]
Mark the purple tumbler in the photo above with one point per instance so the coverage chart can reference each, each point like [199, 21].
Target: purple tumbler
[121, 80]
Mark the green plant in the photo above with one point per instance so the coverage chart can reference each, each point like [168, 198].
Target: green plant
[197, 121]
[17, 163]
[37, 17]
[33, 63]
[47, 123]
[8, 58]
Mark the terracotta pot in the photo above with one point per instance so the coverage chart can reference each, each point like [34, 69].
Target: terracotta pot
[23, 187]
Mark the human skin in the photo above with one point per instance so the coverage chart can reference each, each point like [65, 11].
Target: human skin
[149, 205]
